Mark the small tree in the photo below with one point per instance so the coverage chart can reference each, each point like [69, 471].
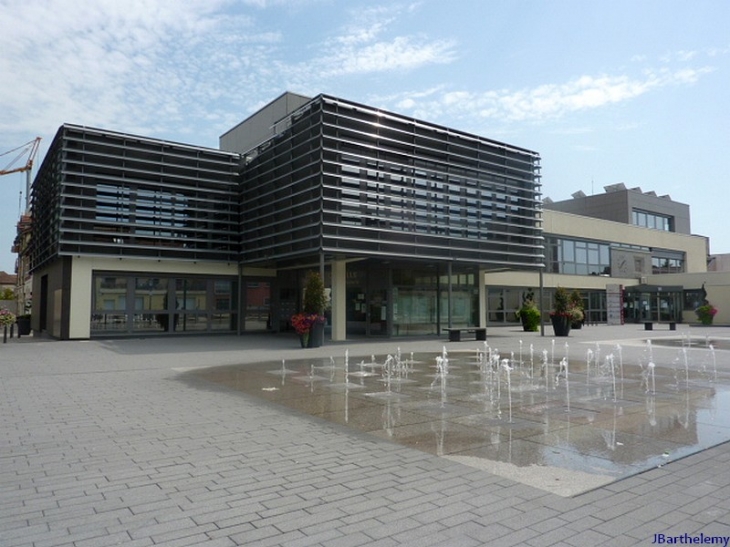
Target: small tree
[315, 300]
[561, 302]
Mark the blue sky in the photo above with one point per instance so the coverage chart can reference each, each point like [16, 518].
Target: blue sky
[623, 91]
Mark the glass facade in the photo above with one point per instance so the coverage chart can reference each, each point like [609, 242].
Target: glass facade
[257, 306]
[645, 303]
[158, 304]
[384, 300]
[664, 262]
[578, 257]
[503, 303]
[104, 193]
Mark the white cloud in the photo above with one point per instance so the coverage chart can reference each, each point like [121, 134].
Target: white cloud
[141, 66]
[367, 45]
[551, 101]
[153, 67]
[401, 53]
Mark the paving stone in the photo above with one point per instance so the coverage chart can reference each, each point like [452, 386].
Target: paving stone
[102, 442]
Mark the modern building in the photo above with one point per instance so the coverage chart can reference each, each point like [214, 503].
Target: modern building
[133, 235]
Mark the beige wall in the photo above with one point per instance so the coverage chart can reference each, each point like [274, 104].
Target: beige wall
[576, 226]
[532, 280]
[717, 284]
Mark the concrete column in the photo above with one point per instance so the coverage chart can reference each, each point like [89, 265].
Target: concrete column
[339, 301]
[482, 297]
[80, 298]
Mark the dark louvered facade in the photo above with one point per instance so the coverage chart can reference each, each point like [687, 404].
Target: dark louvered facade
[105, 193]
[402, 217]
[350, 180]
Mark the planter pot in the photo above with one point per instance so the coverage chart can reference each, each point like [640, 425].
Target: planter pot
[23, 326]
[316, 335]
[576, 325]
[561, 324]
[528, 325]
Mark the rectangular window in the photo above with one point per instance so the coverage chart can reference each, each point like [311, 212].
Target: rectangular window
[577, 257]
[652, 220]
[162, 303]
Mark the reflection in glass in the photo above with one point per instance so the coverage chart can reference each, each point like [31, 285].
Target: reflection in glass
[192, 322]
[191, 294]
[110, 293]
[158, 303]
[258, 305]
[108, 322]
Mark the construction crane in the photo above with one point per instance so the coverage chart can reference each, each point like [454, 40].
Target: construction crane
[27, 151]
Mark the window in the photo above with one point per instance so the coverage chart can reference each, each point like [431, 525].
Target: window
[577, 257]
[665, 264]
[652, 220]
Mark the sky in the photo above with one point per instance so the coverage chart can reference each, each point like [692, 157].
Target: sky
[632, 91]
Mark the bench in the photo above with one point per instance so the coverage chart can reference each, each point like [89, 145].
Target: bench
[649, 325]
[480, 333]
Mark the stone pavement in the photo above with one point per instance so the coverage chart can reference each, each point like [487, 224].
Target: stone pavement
[109, 443]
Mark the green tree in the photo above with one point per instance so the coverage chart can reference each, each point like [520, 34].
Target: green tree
[315, 299]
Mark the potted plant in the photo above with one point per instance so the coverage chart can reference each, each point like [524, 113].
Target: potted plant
[561, 316]
[309, 324]
[706, 312]
[529, 314]
[576, 310]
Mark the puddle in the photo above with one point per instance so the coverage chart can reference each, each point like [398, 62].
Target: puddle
[561, 424]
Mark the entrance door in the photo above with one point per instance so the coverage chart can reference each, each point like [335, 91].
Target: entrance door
[378, 313]
[258, 306]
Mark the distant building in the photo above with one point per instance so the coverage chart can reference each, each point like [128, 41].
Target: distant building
[719, 263]
[7, 281]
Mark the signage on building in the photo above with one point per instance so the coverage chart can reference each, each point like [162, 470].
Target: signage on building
[615, 304]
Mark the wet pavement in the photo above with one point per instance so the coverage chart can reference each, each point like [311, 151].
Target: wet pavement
[537, 415]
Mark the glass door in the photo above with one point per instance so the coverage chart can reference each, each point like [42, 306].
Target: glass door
[378, 313]
[257, 306]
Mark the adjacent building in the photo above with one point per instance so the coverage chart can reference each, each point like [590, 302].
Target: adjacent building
[626, 242]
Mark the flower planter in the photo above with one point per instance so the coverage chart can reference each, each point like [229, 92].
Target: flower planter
[316, 335]
[561, 324]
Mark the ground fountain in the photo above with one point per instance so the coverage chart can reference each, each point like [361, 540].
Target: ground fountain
[605, 413]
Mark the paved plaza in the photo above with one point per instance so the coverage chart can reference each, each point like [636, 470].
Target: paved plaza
[119, 442]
